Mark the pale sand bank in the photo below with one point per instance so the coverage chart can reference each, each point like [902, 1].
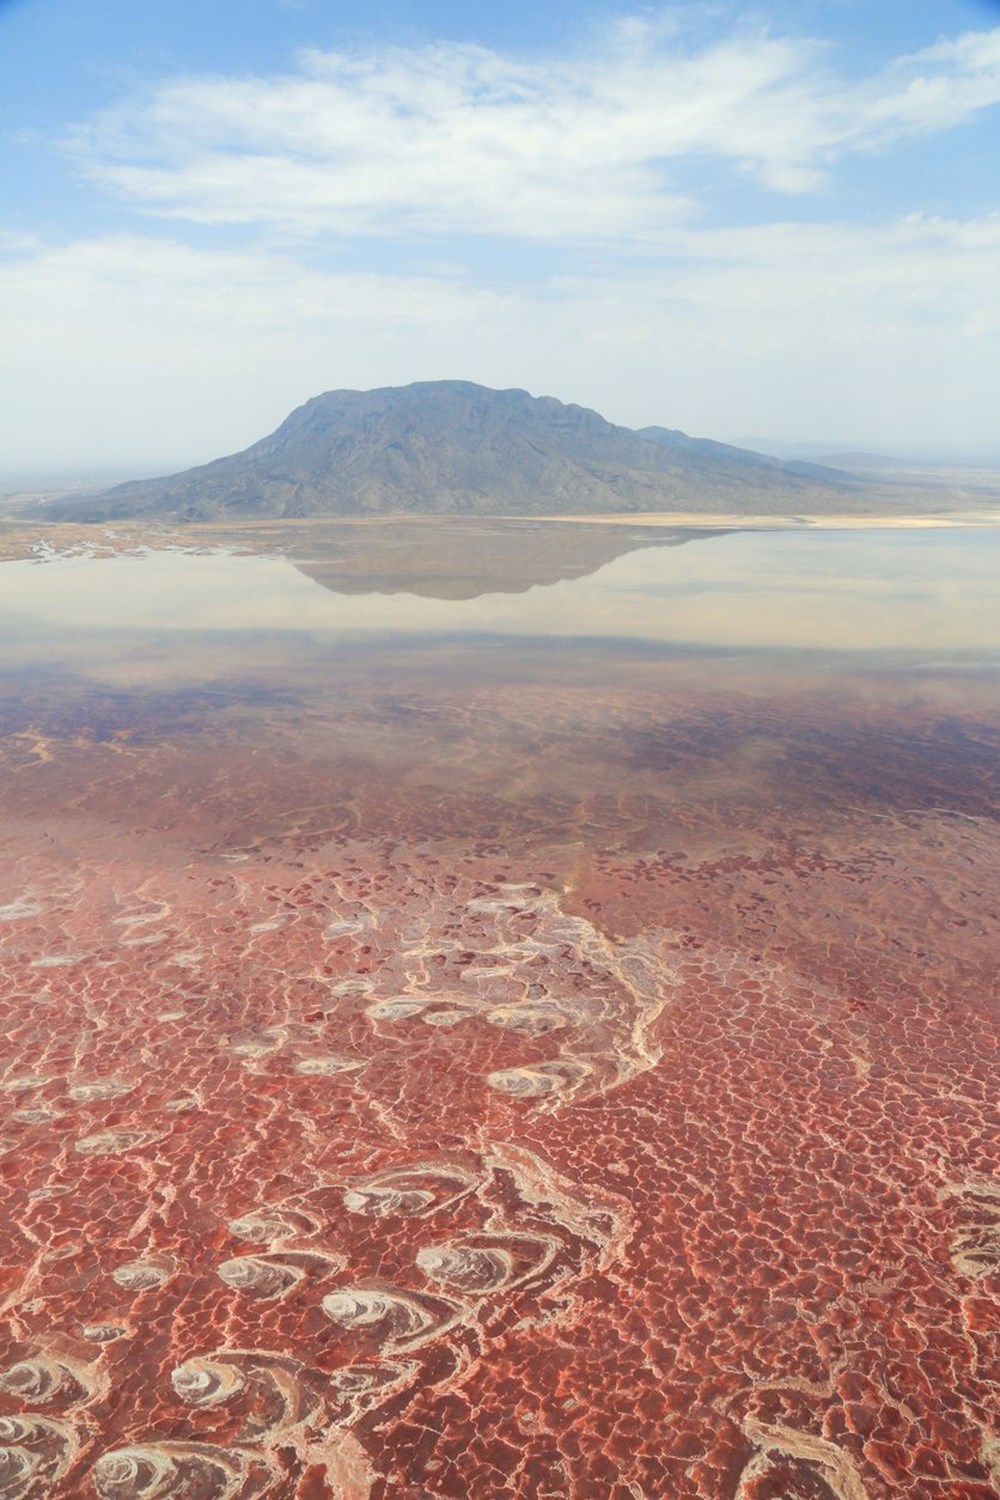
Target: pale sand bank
[720, 519]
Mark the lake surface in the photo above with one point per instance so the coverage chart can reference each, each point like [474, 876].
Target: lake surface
[500, 1010]
[890, 590]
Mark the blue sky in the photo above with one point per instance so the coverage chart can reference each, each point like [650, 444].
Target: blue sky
[782, 220]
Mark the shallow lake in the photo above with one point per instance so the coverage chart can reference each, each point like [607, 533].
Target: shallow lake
[892, 590]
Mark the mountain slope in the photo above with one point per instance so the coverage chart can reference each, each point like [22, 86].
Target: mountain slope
[451, 447]
[725, 456]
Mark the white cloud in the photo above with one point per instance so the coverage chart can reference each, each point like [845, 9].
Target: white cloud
[141, 351]
[448, 138]
[129, 349]
[934, 89]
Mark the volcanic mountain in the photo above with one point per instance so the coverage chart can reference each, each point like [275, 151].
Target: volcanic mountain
[449, 447]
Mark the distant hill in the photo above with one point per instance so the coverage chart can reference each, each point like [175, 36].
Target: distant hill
[868, 462]
[451, 447]
[823, 455]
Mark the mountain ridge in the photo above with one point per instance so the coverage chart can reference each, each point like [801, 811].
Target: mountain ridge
[454, 447]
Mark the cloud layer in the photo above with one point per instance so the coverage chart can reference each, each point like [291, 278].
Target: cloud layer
[886, 337]
[459, 139]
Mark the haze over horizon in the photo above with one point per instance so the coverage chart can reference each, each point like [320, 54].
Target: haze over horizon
[783, 221]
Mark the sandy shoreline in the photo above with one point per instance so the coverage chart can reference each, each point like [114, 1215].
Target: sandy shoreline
[700, 519]
[695, 518]
[23, 538]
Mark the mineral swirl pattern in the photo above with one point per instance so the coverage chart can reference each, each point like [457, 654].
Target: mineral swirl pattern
[660, 1159]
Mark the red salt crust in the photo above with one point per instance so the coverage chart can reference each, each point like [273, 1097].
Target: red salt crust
[660, 1158]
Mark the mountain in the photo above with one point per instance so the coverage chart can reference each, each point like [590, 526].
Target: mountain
[450, 447]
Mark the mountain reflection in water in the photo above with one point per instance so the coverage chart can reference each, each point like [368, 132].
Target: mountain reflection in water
[462, 559]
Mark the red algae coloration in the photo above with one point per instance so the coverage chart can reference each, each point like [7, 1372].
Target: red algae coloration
[446, 1070]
